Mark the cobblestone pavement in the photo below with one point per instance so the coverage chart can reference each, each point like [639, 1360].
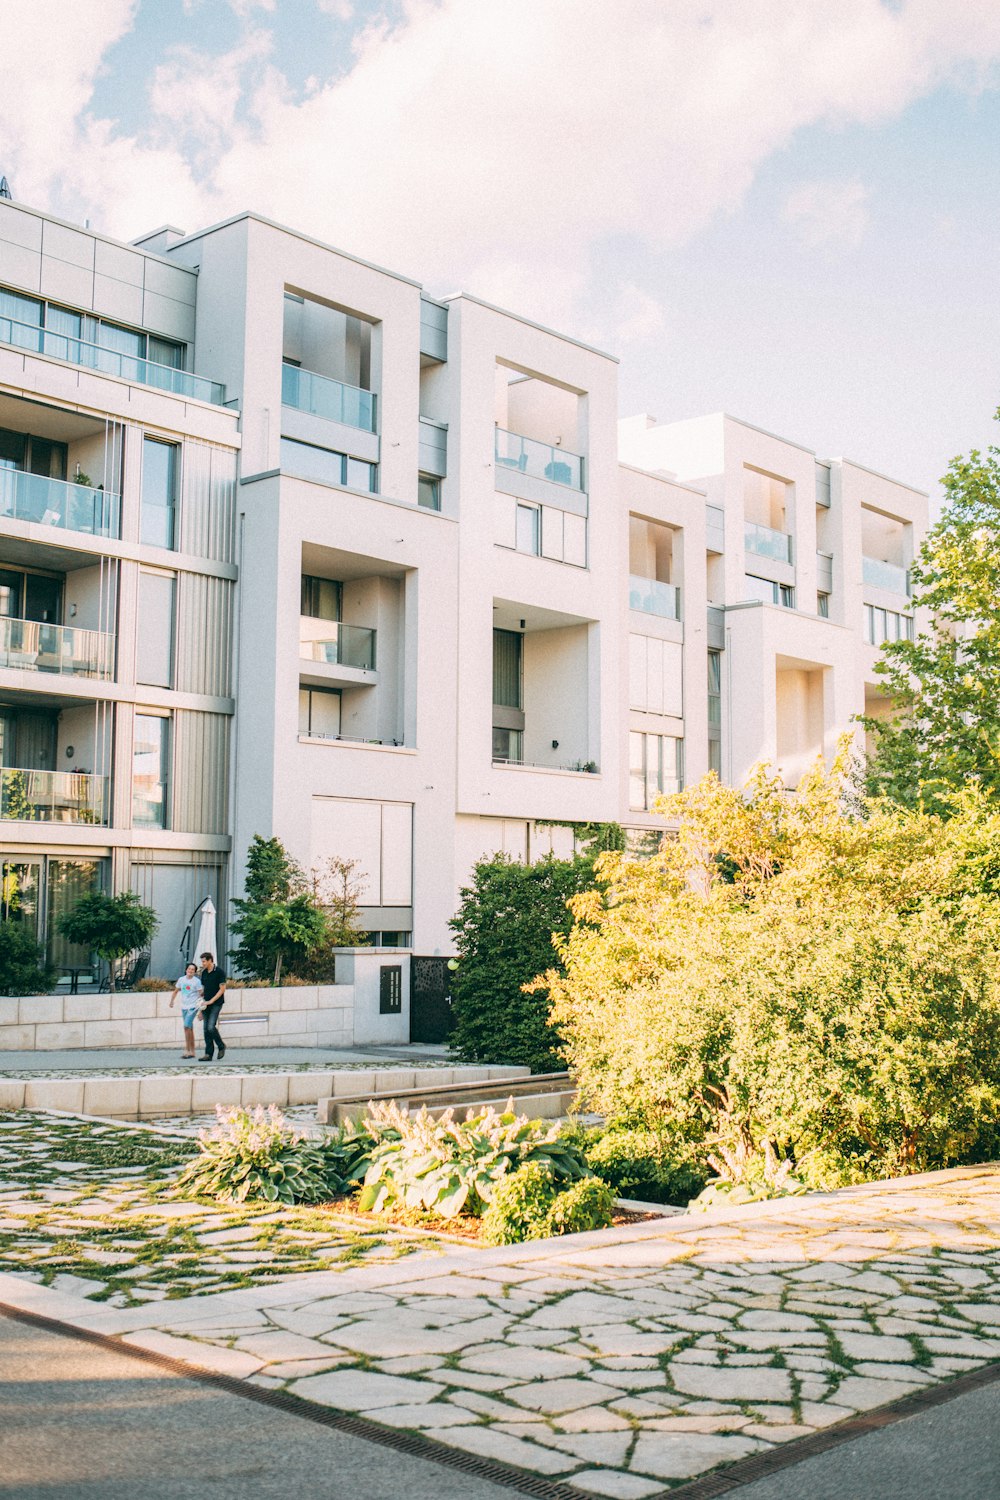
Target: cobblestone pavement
[630, 1359]
[80, 1211]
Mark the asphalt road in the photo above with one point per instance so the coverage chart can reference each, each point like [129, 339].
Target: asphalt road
[81, 1422]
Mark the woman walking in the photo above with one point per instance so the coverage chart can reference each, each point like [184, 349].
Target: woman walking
[188, 986]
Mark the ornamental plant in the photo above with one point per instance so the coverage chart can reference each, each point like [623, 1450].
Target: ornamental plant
[110, 926]
[256, 1155]
[451, 1167]
[528, 1204]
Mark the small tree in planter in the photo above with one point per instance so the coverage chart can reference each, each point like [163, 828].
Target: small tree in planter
[281, 922]
[110, 926]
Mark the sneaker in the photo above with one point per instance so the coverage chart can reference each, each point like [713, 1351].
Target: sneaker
[222, 1050]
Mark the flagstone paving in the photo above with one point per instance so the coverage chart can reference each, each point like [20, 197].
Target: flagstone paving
[621, 1362]
[82, 1210]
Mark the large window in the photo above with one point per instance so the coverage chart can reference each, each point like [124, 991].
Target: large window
[46, 328]
[767, 591]
[159, 493]
[319, 713]
[508, 715]
[321, 598]
[150, 771]
[327, 466]
[154, 651]
[881, 625]
[656, 676]
[656, 767]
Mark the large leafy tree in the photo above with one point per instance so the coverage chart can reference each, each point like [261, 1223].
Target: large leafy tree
[288, 921]
[786, 977]
[945, 685]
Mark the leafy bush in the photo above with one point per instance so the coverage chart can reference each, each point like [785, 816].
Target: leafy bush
[639, 1162]
[452, 1167]
[823, 981]
[22, 967]
[256, 1155]
[154, 983]
[110, 926]
[504, 931]
[529, 1205]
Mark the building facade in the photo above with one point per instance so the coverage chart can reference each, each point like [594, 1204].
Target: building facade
[289, 547]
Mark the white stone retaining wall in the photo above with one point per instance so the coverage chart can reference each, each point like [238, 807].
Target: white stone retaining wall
[326, 1015]
[200, 1091]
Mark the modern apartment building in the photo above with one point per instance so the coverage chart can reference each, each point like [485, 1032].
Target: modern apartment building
[289, 547]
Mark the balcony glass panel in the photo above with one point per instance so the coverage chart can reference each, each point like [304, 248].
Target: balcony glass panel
[337, 645]
[52, 796]
[323, 397]
[59, 502]
[883, 575]
[77, 351]
[766, 542]
[37, 647]
[538, 459]
[654, 598]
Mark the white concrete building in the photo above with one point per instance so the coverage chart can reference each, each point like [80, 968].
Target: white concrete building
[289, 547]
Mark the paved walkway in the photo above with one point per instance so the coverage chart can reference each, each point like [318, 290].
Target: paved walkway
[623, 1360]
[110, 1060]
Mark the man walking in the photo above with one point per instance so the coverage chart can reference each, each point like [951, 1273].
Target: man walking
[213, 984]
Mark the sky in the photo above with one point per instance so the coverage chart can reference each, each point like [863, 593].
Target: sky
[787, 211]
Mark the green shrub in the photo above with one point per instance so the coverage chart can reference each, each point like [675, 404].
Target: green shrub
[643, 1163]
[22, 968]
[451, 1167]
[529, 1205]
[256, 1155]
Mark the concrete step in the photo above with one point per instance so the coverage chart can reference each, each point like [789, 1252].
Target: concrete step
[549, 1104]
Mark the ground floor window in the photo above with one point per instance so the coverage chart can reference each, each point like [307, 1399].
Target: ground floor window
[39, 890]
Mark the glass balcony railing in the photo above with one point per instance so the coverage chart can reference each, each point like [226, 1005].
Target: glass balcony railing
[764, 541]
[336, 644]
[654, 598]
[540, 460]
[888, 576]
[52, 796]
[109, 361]
[37, 647]
[323, 397]
[55, 502]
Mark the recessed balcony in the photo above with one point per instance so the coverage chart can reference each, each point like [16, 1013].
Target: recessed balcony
[650, 597]
[59, 503]
[334, 654]
[334, 400]
[77, 351]
[884, 575]
[538, 460]
[764, 541]
[28, 796]
[33, 646]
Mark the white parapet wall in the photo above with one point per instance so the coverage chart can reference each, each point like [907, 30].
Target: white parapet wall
[325, 1015]
[199, 1092]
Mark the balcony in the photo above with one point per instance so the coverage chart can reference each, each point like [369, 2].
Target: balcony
[764, 541]
[320, 396]
[337, 645]
[58, 502]
[650, 597]
[35, 647]
[539, 460]
[52, 796]
[887, 576]
[110, 362]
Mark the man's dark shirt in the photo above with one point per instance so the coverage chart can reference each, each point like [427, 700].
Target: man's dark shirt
[212, 981]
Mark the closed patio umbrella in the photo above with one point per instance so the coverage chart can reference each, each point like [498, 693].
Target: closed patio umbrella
[206, 931]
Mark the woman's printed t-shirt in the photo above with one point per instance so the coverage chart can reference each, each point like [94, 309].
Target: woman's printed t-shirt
[190, 992]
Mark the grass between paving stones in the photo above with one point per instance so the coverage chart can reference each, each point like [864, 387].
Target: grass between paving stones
[84, 1206]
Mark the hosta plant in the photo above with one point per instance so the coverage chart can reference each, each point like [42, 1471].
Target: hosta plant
[451, 1167]
[529, 1205]
[256, 1155]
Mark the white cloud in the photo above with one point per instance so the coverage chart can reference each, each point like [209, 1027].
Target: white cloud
[493, 144]
[828, 212]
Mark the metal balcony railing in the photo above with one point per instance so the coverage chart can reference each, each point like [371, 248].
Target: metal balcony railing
[540, 460]
[110, 361]
[55, 502]
[322, 397]
[37, 647]
[28, 796]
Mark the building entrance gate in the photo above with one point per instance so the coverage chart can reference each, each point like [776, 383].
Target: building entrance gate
[430, 1000]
